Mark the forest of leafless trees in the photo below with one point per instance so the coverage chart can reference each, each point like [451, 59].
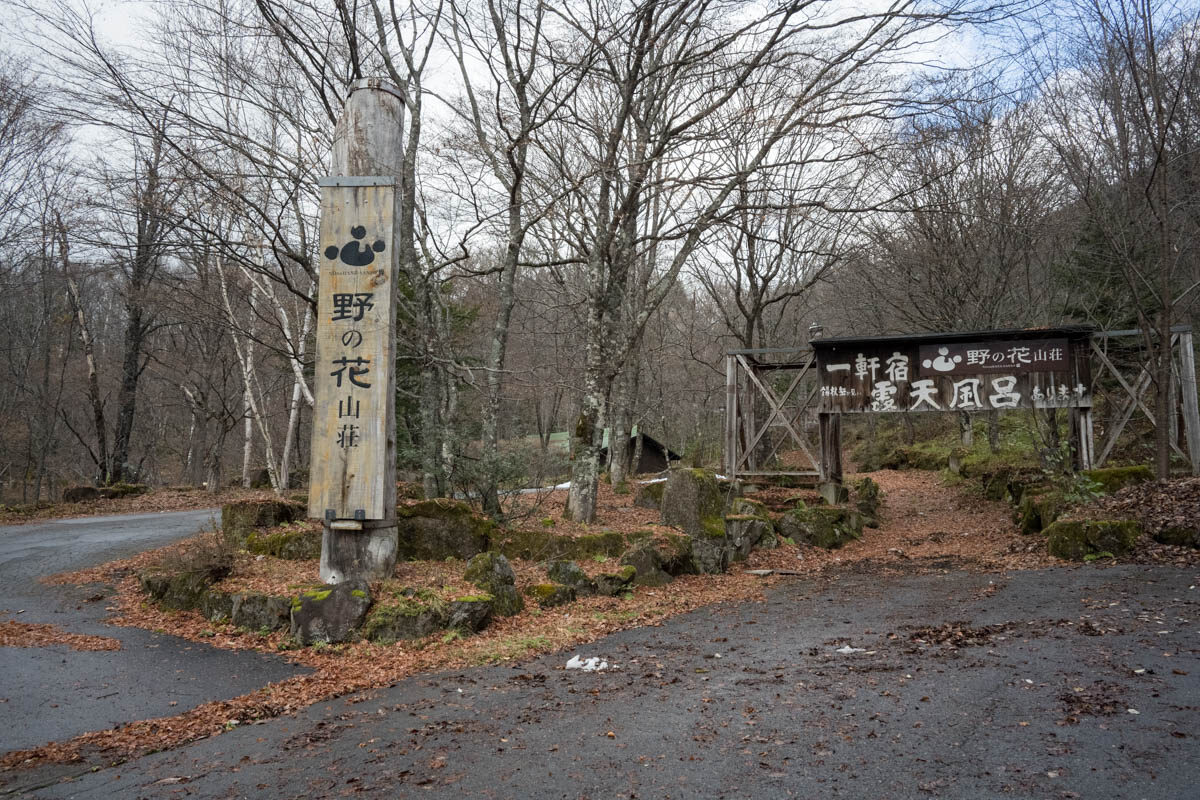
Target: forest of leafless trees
[598, 199]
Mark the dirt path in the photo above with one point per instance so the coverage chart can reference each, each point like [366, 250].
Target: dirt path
[925, 525]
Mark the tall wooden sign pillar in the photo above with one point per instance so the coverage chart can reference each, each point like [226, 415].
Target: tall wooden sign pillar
[353, 470]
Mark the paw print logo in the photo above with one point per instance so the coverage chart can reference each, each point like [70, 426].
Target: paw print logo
[351, 253]
[943, 362]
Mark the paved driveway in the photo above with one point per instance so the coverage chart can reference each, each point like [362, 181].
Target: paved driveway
[55, 693]
[1033, 695]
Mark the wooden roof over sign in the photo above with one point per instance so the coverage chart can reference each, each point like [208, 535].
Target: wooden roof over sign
[1065, 331]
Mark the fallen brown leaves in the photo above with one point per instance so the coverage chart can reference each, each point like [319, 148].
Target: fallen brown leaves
[171, 498]
[614, 512]
[363, 665]
[1157, 505]
[24, 634]
[925, 527]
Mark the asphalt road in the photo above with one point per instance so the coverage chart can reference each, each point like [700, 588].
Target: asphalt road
[55, 693]
[1038, 700]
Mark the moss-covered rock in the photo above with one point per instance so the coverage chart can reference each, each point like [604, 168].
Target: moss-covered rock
[487, 570]
[647, 563]
[1036, 512]
[1114, 479]
[823, 526]
[1075, 540]
[330, 614]
[288, 544]
[183, 590]
[1182, 535]
[433, 530]
[405, 617]
[657, 560]
[568, 573]
[832, 493]
[470, 613]
[491, 572]
[123, 490]
[217, 606]
[868, 497]
[507, 601]
[80, 494]
[548, 595]
[650, 495]
[693, 501]
[542, 544]
[239, 520]
[611, 584]
[747, 526]
[260, 611]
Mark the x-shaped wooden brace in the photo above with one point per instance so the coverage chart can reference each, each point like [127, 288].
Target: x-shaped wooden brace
[776, 404]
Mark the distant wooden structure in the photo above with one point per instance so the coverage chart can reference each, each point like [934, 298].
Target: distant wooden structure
[655, 456]
[783, 396]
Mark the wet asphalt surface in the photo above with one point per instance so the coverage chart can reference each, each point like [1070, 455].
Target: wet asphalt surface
[55, 693]
[753, 700]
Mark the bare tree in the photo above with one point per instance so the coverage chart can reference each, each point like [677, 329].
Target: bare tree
[1122, 105]
[654, 129]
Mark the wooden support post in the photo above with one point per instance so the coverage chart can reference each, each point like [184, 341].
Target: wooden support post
[1191, 406]
[830, 425]
[1083, 441]
[731, 418]
[354, 417]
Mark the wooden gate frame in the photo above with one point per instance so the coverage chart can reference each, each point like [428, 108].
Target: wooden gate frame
[828, 467]
[741, 427]
[1183, 391]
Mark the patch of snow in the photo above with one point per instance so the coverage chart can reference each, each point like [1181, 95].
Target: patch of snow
[847, 650]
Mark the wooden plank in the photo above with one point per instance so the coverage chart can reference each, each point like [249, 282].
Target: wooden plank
[730, 415]
[1088, 439]
[355, 321]
[831, 446]
[1191, 405]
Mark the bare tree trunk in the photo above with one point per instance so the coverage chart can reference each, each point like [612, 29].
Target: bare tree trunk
[1163, 397]
[625, 390]
[966, 431]
[89, 355]
[249, 377]
[247, 428]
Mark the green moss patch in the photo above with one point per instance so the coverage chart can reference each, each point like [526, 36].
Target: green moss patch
[1113, 479]
[285, 543]
[827, 527]
[1075, 540]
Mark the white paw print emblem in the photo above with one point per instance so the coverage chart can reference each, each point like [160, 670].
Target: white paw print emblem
[943, 363]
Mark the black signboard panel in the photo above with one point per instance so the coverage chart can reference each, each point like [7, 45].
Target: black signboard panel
[979, 372]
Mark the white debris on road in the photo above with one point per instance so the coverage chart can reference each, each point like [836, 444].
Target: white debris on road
[587, 665]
